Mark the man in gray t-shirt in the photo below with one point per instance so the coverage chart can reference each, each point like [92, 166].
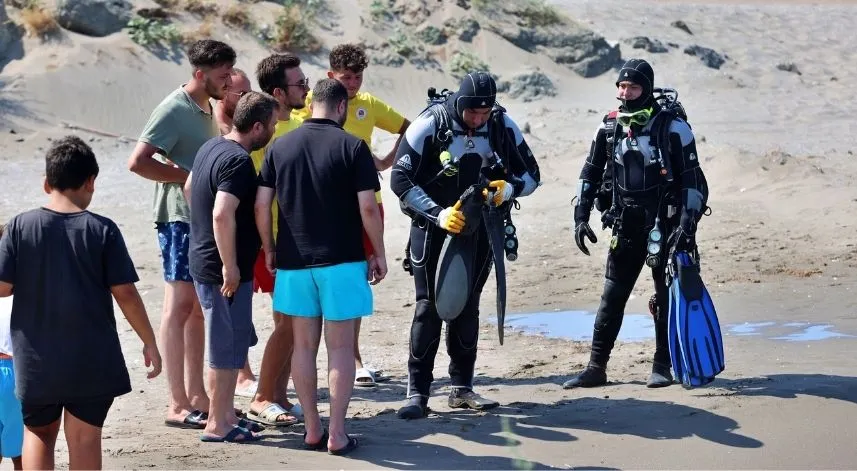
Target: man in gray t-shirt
[165, 152]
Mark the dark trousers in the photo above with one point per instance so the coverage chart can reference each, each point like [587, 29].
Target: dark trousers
[463, 332]
[624, 264]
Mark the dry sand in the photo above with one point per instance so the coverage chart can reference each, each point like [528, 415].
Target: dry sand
[779, 247]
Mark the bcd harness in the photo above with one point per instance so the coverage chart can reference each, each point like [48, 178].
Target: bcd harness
[503, 146]
[606, 199]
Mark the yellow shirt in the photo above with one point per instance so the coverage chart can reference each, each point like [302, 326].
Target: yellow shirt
[365, 113]
[258, 157]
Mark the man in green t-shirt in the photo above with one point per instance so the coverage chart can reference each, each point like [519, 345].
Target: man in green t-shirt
[165, 152]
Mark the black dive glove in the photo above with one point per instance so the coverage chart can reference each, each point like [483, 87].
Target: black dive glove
[582, 229]
[683, 238]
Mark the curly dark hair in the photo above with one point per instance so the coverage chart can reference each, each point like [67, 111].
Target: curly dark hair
[348, 57]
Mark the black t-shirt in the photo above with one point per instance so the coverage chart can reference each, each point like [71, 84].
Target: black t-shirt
[222, 165]
[317, 171]
[64, 338]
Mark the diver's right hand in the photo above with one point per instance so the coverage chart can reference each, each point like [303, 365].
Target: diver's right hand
[451, 219]
[580, 230]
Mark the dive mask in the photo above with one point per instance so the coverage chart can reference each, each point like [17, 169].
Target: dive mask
[640, 117]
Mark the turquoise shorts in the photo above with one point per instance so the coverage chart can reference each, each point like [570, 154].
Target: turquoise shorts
[11, 418]
[338, 292]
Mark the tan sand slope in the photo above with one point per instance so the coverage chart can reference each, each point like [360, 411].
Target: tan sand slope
[779, 248]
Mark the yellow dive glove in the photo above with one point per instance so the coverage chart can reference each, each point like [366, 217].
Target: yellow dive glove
[451, 219]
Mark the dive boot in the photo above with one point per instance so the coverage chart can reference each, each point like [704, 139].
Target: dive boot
[463, 398]
[416, 408]
[590, 377]
[661, 376]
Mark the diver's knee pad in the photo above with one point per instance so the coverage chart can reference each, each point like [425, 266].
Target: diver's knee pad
[464, 331]
[613, 301]
[425, 329]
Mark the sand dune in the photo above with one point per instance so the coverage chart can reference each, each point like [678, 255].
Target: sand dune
[779, 246]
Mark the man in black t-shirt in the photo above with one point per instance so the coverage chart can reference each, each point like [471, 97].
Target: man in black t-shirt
[325, 183]
[224, 242]
[65, 266]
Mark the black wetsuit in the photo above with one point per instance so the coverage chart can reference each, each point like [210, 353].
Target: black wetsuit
[423, 195]
[640, 195]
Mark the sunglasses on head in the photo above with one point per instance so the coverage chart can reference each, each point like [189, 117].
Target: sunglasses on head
[640, 117]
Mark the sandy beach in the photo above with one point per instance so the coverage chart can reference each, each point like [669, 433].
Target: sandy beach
[778, 251]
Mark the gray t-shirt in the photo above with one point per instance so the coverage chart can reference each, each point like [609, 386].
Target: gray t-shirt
[64, 338]
[178, 127]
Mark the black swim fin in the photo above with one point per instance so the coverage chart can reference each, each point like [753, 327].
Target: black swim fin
[455, 266]
[495, 225]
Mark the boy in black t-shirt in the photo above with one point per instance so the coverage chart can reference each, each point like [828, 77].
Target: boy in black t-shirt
[65, 265]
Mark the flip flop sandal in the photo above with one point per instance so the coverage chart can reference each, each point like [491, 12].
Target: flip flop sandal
[249, 391]
[352, 445]
[251, 426]
[232, 437]
[191, 421]
[321, 444]
[297, 411]
[268, 416]
[380, 377]
[362, 375]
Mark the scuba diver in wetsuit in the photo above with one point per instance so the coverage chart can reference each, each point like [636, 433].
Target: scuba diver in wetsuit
[654, 186]
[466, 141]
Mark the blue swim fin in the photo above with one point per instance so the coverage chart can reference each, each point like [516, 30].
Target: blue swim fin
[695, 339]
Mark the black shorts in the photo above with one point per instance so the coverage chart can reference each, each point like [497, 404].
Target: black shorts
[93, 412]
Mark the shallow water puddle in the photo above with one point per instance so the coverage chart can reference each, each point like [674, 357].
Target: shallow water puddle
[577, 325]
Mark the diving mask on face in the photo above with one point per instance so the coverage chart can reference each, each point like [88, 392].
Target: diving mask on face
[640, 117]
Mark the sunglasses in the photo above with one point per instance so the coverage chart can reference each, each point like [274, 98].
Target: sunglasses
[303, 83]
[638, 117]
[240, 94]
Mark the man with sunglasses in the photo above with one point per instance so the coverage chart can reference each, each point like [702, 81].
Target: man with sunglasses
[225, 108]
[652, 185]
[279, 75]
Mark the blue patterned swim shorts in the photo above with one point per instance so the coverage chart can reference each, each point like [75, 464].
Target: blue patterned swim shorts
[174, 240]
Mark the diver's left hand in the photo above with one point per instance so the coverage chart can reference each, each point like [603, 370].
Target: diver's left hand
[682, 241]
[503, 191]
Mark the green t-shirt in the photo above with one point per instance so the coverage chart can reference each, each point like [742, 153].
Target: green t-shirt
[178, 127]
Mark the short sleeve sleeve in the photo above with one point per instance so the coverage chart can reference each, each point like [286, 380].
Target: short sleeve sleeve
[268, 173]
[8, 253]
[365, 174]
[236, 176]
[387, 118]
[160, 131]
[118, 266]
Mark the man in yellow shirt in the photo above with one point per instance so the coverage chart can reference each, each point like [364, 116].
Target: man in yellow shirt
[365, 113]
[279, 75]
